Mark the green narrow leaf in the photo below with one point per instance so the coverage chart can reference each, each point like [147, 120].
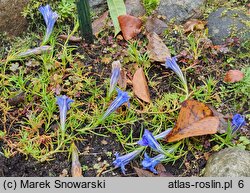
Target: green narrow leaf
[116, 8]
[85, 20]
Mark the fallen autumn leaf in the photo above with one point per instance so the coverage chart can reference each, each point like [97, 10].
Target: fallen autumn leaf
[195, 118]
[157, 50]
[194, 24]
[130, 26]
[99, 23]
[140, 86]
[233, 76]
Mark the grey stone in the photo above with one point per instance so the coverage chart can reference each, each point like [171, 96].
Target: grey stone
[224, 23]
[11, 20]
[156, 25]
[96, 3]
[230, 162]
[180, 10]
[135, 8]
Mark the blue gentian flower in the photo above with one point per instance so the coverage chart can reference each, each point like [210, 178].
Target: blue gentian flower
[121, 161]
[50, 18]
[171, 63]
[150, 163]
[163, 134]
[116, 70]
[149, 140]
[36, 51]
[237, 122]
[64, 105]
[121, 98]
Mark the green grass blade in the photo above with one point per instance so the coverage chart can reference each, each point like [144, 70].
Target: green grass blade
[116, 8]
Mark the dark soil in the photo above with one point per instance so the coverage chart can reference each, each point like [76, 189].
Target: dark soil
[95, 152]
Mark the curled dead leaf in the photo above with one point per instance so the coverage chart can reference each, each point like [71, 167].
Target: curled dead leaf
[233, 76]
[122, 81]
[157, 50]
[144, 173]
[156, 25]
[194, 24]
[159, 168]
[195, 119]
[18, 99]
[140, 86]
[64, 173]
[223, 126]
[130, 26]
[99, 23]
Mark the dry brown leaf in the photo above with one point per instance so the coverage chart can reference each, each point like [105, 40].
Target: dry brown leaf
[162, 171]
[130, 26]
[144, 173]
[233, 76]
[64, 173]
[157, 50]
[207, 155]
[71, 38]
[156, 25]
[194, 24]
[223, 123]
[140, 86]
[122, 81]
[195, 119]
[18, 99]
[106, 60]
[159, 168]
[99, 23]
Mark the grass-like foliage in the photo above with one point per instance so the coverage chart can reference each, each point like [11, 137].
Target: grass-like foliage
[150, 5]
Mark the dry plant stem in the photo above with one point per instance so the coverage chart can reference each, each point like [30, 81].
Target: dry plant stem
[60, 145]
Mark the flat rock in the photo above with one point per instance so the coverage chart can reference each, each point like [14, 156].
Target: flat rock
[156, 25]
[230, 162]
[96, 3]
[224, 23]
[11, 20]
[180, 10]
[135, 8]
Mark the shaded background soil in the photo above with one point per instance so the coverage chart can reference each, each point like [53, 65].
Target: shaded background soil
[95, 152]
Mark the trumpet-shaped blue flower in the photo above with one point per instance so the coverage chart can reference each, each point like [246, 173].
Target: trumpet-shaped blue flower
[150, 163]
[36, 51]
[171, 63]
[116, 69]
[163, 134]
[149, 140]
[64, 105]
[50, 18]
[237, 122]
[121, 98]
[121, 161]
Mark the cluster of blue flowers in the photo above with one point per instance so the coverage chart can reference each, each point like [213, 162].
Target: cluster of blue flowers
[147, 140]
